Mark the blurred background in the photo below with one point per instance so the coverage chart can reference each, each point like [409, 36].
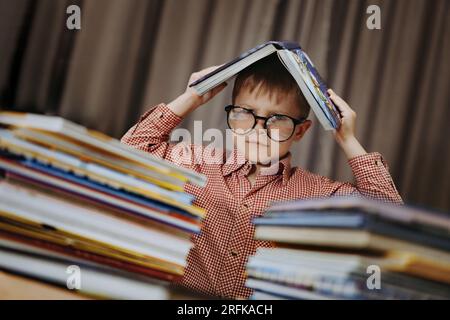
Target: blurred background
[132, 54]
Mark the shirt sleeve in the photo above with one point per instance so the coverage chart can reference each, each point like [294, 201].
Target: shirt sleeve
[152, 132]
[372, 179]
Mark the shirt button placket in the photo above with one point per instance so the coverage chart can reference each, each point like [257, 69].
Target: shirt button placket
[233, 248]
[234, 252]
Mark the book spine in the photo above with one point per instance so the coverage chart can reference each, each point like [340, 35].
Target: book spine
[324, 121]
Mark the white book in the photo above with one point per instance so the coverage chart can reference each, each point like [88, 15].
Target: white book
[92, 281]
[258, 295]
[285, 291]
[305, 266]
[342, 238]
[336, 284]
[92, 224]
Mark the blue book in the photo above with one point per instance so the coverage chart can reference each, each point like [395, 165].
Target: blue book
[124, 196]
[103, 188]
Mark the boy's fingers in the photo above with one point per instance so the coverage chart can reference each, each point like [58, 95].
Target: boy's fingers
[210, 94]
[335, 97]
[197, 75]
[339, 102]
[343, 106]
[217, 89]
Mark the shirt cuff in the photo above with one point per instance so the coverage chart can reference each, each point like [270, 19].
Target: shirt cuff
[369, 167]
[161, 118]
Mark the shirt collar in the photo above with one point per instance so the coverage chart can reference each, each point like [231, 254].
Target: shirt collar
[236, 161]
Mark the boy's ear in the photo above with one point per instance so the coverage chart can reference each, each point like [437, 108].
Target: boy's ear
[301, 129]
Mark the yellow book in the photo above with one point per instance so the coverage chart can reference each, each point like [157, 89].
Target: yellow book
[96, 173]
[113, 161]
[44, 233]
[421, 266]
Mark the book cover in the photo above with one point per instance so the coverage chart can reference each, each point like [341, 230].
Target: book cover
[296, 61]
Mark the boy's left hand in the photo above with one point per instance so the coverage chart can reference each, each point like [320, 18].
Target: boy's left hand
[345, 135]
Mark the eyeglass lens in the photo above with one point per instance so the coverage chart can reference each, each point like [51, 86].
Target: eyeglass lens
[242, 121]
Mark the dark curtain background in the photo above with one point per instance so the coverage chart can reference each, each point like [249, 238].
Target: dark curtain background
[132, 54]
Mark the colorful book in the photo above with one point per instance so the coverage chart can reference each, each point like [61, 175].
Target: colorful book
[176, 214]
[94, 139]
[299, 65]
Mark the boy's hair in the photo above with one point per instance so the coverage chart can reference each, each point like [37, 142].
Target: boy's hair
[272, 78]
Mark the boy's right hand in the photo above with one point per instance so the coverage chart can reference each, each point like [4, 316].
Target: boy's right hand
[190, 100]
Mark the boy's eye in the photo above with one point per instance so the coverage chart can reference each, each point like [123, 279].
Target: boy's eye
[280, 122]
[241, 114]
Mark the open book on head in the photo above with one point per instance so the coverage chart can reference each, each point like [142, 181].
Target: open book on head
[296, 62]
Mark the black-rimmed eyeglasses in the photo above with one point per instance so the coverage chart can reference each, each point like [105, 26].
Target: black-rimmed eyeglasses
[279, 127]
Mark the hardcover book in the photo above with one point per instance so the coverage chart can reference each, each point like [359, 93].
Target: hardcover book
[299, 65]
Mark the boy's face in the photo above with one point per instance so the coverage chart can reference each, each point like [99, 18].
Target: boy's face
[256, 145]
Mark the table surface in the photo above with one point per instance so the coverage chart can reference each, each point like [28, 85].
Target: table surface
[13, 287]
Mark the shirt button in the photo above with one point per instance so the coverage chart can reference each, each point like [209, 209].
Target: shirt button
[245, 206]
[234, 253]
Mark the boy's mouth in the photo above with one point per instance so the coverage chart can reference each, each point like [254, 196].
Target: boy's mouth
[258, 139]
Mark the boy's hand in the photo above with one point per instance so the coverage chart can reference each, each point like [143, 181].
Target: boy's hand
[345, 135]
[190, 100]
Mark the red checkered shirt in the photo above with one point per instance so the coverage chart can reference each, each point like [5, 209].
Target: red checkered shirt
[216, 263]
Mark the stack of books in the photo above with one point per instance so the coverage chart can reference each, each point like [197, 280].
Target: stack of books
[350, 248]
[74, 202]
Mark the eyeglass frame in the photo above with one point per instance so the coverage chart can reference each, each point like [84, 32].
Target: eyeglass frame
[296, 122]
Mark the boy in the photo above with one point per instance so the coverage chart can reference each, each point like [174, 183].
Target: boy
[241, 189]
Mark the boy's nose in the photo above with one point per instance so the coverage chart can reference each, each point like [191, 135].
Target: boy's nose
[259, 124]
[259, 128]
